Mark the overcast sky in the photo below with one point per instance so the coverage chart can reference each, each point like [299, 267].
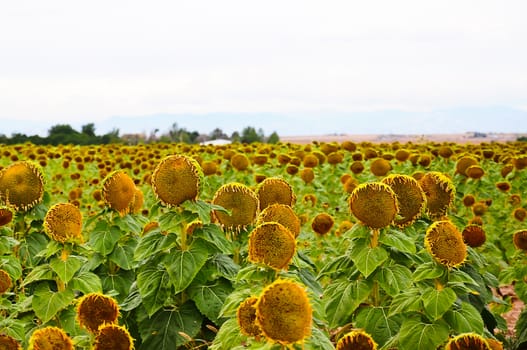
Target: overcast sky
[308, 66]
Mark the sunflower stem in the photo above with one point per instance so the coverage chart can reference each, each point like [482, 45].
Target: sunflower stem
[374, 238]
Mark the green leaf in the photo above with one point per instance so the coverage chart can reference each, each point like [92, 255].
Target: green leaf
[153, 243]
[153, 282]
[214, 235]
[367, 259]
[104, 240]
[30, 248]
[133, 300]
[162, 330]
[398, 240]
[7, 244]
[318, 341]
[464, 319]
[437, 302]
[203, 209]
[174, 220]
[13, 328]
[377, 322]
[47, 303]
[39, 273]
[406, 301]
[343, 298]
[123, 254]
[129, 223]
[394, 279]
[416, 335]
[11, 265]
[339, 265]
[210, 298]
[184, 265]
[427, 271]
[65, 269]
[228, 336]
[86, 282]
[225, 266]
[117, 283]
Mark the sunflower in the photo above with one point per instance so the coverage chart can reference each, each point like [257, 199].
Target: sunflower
[113, 337]
[5, 282]
[445, 243]
[21, 185]
[95, 309]
[9, 343]
[322, 223]
[239, 161]
[439, 191]
[468, 341]
[63, 223]
[50, 338]
[474, 235]
[307, 175]
[410, 198]
[6, 215]
[374, 204]
[357, 339]
[246, 317]
[464, 163]
[519, 214]
[380, 167]
[519, 239]
[283, 214]
[119, 191]
[275, 190]
[271, 244]
[240, 200]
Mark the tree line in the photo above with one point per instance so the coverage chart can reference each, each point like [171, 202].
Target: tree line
[66, 134]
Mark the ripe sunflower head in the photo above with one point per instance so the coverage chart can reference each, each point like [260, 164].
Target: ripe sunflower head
[119, 191]
[5, 282]
[271, 244]
[63, 223]
[468, 341]
[50, 338]
[322, 223]
[275, 190]
[520, 239]
[246, 317]
[113, 337]
[283, 214]
[356, 339]
[21, 185]
[374, 204]
[9, 343]
[445, 243]
[6, 215]
[410, 198]
[95, 309]
[439, 191]
[241, 201]
[380, 167]
[474, 235]
[239, 161]
[464, 163]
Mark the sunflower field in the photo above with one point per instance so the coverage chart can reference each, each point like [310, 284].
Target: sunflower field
[411, 246]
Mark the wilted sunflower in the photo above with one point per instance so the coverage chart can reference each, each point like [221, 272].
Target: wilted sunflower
[439, 191]
[357, 167]
[402, 155]
[240, 200]
[5, 281]
[445, 243]
[410, 198]
[6, 215]
[9, 343]
[119, 191]
[468, 341]
[63, 223]
[468, 200]
[374, 204]
[474, 235]
[310, 161]
[283, 214]
[479, 208]
[95, 309]
[177, 178]
[50, 338]
[519, 214]
[475, 172]
[464, 163]
[21, 185]
[357, 339]
[520, 239]
[322, 223]
[275, 190]
[284, 313]
[246, 317]
[503, 186]
[113, 337]
[272, 244]
[380, 167]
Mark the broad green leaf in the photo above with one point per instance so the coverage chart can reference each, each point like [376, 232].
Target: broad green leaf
[39, 273]
[133, 300]
[162, 331]
[398, 240]
[437, 302]
[225, 266]
[214, 235]
[13, 328]
[343, 298]
[233, 300]
[30, 248]
[428, 271]
[228, 336]
[406, 301]
[11, 265]
[416, 335]
[129, 223]
[184, 265]
[7, 244]
[210, 298]
[307, 277]
[464, 319]
[339, 265]
[86, 282]
[65, 269]
[367, 259]
[377, 322]
[394, 279]
[123, 254]
[318, 341]
[203, 209]
[103, 241]
[47, 303]
[153, 282]
[174, 220]
[117, 283]
[153, 243]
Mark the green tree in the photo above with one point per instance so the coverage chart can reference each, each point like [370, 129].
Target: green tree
[273, 138]
[249, 135]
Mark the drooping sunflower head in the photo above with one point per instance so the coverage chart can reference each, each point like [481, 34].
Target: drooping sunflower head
[6, 215]
[272, 244]
[246, 317]
[356, 339]
[113, 337]
[63, 223]
[9, 343]
[519, 239]
[284, 313]
[468, 341]
[445, 243]
[494, 344]
[520, 214]
[463, 163]
[374, 204]
[119, 191]
[357, 167]
[439, 191]
[469, 200]
[344, 226]
[503, 186]
[240, 200]
[475, 172]
[95, 309]
[177, 178]
[5, 282]
[474, 235]
[322, 223]
[410, 197]
[275, 190]
[380, 167]
[21, 185]
[137, 202]
[239, 161]
[50, 338]
[308, 175]
[283, 214]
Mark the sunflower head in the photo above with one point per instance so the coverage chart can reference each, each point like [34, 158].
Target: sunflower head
[445, 243]
[177, 178]
[271, 244]
[283, 312]
[5, 282]
[439, 191]
[283, 214]
[21, 185]
[469, 200]
[308, 175]
[113, 337]
[519, 214]
[474, 235]
[503, 186]
[357, 167]
[464, 163]
[468, 341]
[475, 172]
[95, 309]
[239, 161]
[345, 225]
[519, 239]
[240, 200]
[6, 215]
[9, 343]
[374, 204]
[119, 191]
[63, 223]
[380, 167]
[275, 190]
[209, 168]
[322, 223]
[246, 317]
[50, 338]
[356, 339]
[410, 197]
